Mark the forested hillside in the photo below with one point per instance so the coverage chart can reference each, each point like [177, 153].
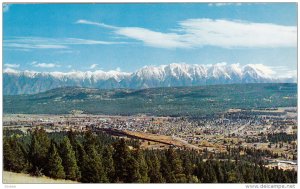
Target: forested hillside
[100, 158]
[169, 101]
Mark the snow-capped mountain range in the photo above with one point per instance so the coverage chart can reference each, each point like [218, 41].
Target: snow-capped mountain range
[175, 74]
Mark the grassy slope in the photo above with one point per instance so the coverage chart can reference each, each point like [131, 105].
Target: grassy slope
[21, 178]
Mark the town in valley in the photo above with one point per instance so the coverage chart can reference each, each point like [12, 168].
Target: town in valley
[271, 129]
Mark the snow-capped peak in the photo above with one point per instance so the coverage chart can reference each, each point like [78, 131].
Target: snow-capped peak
[11, 71]
[258, 70]
[175, 74]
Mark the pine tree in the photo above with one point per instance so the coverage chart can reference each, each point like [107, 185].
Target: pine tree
[54, 167]
[92, 167]
[199, 171]
[38, 150]
[176, 166]
[219, 172]
[133, 174]
[209, 173]
[143, 167]
[69, 160]
[7, 155]
[121, 157]
[154, 169]
[166, 170]
[108, 163]
[80, 157]
[14, 157]
[188, 168]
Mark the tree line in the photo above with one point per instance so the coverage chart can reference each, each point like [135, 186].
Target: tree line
[100, 158]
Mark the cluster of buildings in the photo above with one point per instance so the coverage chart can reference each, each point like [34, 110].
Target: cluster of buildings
[238, 124]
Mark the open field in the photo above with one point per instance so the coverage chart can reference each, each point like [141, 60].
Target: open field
[21, 178]
[161, 139]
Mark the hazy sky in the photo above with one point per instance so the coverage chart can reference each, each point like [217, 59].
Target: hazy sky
[65, 37]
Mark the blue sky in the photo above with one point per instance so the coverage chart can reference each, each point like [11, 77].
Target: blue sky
[126, 37]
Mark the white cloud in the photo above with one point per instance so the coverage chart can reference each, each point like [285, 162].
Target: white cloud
[76, 41]
[118, 69]
[149, 37]
[50, 43]
[290, 74]
[12, 65]
[153, 38]
[33, 46]
[284, 72]
[224, 4]
[44, 65]
[93, 66]
[207, 32]
[96, 23]
[228, 34]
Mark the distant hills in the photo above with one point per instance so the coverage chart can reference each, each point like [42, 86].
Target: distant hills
[172, 75]
[167, 101]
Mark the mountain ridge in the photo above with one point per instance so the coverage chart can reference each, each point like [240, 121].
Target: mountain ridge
[172, 75]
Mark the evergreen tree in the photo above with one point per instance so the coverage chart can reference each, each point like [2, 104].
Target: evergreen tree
[38, 150]
[108, 163]
[176, 166]
[92, 170]
[132, 170]
[219, 172]
[143, 167]
[98, 161]
[54, 167]
[121, 157]
[199, 171]
[80, 157]
[154, 169]
[188, 168]
[14, 155]
[166, 170]
[209, 173]
[69, 160]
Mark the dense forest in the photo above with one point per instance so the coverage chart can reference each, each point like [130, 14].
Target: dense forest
[100, 158]
[168, 101]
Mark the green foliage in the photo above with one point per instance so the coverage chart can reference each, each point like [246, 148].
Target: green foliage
[132, 171]
[39, 150]
[55, 168]
[176, 166]
[166, 170]
[14, 155]
[92, 168]
[69, 160]
[170, 101]
[108, 162]
[121, 157]
[104, 159]
[142, 166]
[282, 137]
[154, 173]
